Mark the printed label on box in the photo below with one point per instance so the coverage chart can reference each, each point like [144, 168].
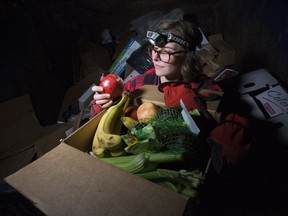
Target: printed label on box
[119, 65]
[274, 100]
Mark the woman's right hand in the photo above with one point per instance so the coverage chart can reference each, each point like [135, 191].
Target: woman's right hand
[104, 100]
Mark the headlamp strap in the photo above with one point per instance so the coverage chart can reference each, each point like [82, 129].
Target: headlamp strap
[152, 36]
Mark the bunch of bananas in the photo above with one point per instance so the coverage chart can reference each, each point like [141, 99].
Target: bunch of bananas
[107, 140]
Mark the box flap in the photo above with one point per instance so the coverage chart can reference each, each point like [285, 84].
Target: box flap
[147, 93]
[66, 181]
[16, 161]
[256, 80]
[51, 137]
[18, 135]
[18, 129]
[85, 133]
[215, 37]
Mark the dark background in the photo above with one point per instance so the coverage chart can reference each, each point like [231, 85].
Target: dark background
[36, 43]
[37, 37]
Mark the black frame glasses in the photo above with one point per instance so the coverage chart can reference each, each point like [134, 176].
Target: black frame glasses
[164, 56]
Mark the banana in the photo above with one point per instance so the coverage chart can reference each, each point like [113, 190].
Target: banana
[117, 152]
[107, 135]
[129, 122]
[99, 152]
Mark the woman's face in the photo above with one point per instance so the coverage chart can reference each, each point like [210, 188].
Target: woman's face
[168, 60]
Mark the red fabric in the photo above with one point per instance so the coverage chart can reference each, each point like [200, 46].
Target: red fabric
[95, 109]
[205, 82]
[174, 91]
[234, 138]
[150, 78]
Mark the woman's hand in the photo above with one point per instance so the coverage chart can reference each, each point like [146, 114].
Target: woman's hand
[104, 100]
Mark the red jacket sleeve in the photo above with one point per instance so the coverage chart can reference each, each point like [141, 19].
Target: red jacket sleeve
[95, 109]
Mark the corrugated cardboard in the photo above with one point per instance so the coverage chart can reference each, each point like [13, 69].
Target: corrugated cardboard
[208, 59]
[148, 93]
[68, 181]
[15, 161]
[215, 55]
[18, 128]
[226, 53]
[50, 138]
[20, 133]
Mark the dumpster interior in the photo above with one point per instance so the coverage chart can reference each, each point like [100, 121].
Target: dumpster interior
[39, 56]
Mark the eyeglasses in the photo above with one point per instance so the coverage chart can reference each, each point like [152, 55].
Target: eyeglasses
[164, 56]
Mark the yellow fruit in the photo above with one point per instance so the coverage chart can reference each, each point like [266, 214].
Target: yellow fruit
[107, 135]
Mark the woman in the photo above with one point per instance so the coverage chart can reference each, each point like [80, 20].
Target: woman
[176, 70]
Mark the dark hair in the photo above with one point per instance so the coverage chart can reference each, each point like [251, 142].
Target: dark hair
[191, 68]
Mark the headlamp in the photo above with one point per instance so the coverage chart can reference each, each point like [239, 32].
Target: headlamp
[159, 38]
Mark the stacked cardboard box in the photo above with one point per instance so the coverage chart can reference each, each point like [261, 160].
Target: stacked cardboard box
[215, 55]
[267, 98]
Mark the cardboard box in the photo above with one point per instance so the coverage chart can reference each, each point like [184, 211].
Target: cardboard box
[20, 134]
[215, 55]
[274, 101]
[211, 65]
[119, 65]
[148, 93]
[50, 138]
[256, 80]
[226, 74]
[254, 88]
[130, 75]
[279, 123]
[225, 53]
[68, 181]
[123, 40]
[253, 85]
[18, 129]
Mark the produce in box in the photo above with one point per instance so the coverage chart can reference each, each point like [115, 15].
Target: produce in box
[162, 139]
